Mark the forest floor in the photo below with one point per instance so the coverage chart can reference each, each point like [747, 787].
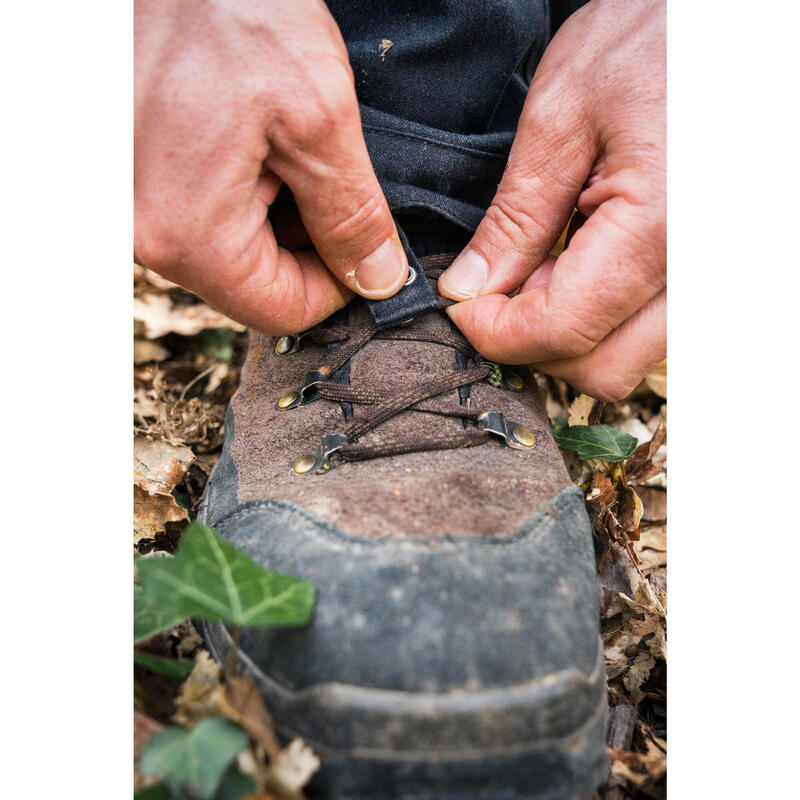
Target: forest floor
[187, 359]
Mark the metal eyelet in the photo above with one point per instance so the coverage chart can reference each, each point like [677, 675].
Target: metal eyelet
[287, 345]
[510, 433]
[500, 378]
[412, 276]
[317, 460]
[305, 393]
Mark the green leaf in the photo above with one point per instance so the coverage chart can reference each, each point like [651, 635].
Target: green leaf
[194, 761]
[155, 792]
[171, 667]
[217, 342]
[210, 578]
[151, 617]
[596, 441]
[235, 784]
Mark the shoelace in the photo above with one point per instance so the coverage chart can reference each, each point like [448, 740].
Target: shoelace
[344, 446]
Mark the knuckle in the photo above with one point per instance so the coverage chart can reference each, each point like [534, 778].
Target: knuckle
[365, 219]
[156, 248]
[512, 224]
[326, 99]
[569, 336]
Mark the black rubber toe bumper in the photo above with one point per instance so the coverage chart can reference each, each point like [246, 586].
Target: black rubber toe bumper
[472, 669]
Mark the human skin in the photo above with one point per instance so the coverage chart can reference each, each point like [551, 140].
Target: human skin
[235, 98]
[591, 136]
[232, 99]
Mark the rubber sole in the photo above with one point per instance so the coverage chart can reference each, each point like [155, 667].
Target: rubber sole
[544, 740]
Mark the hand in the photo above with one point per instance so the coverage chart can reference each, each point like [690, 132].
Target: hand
[591, 135]
[232, 99]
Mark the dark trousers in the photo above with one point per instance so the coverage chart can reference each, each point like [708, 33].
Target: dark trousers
[441, 85]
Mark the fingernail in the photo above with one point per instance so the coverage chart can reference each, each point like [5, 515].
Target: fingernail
[382, 269]
[465, 277]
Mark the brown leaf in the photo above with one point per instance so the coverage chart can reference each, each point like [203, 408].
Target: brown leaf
[654, 500]
[656, 379]
[580, 409]
[145, 351]
[640, 466]
[240, 700]
[199, 692]
[294, 766]
[144, 729]
[629, 512]
[157, 316]
[638, 672]
[637, 767]
[158, 466]
[151, 513]
[652, 547]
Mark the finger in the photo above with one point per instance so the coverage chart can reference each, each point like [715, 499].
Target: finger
[549, 163]
[614, 264]
[323, 158]
[616, 366]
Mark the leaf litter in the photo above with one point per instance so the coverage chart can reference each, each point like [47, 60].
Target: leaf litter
[186, 367]
[626, 501]
[184, 374]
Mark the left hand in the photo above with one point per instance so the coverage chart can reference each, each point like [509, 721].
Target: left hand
[592, 136]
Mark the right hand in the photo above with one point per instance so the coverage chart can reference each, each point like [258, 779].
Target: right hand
[232, 99]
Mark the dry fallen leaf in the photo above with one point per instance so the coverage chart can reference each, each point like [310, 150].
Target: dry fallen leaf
[652, 547]
[637, 767]
[294, 766]
[641, 465]
[151, 512]
[198, 696]
[158, 466]
[158, 315]
[579, 410]
[656, 379]
[145, 351]
[144, 729]
[240, 700]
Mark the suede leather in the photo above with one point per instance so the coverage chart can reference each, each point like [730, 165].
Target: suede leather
[479, 491]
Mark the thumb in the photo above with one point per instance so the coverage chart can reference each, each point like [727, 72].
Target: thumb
[340, 200]
[547, 168]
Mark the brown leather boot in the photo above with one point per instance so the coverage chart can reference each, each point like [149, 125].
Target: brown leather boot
[454, 649]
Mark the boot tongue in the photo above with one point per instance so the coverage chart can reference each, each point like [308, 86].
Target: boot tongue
[422, 240]
[392, 365]
[413, 300]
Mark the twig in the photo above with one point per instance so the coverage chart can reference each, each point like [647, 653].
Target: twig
[621, 726]
[233, 652]
[194, 380]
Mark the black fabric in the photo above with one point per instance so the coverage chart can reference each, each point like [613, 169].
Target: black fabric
[441, 86]
[445, 64]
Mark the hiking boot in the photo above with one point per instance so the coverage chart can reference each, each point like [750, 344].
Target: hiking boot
[454, 649]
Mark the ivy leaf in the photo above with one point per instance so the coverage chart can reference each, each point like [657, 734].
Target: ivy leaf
[155, 792]
[151, 617]
[605, 442]
[171, 667]
[194, 762]
[217, 342]
[208, 577]
[235, 785]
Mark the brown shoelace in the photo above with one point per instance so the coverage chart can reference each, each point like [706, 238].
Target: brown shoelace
[382, 406]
